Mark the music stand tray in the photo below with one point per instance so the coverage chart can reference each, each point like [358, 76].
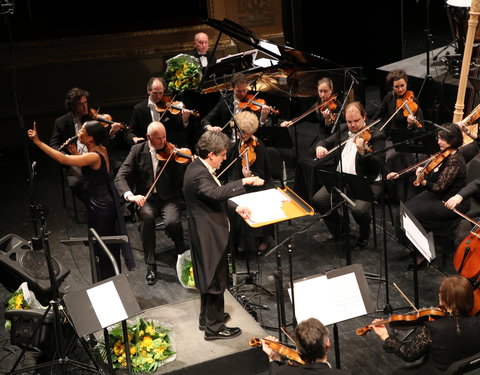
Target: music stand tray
[403, 142]
[357, 187]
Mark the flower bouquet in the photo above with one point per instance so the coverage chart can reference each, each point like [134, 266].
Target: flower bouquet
[22, 299]
[150, 344]
[183, 72]
[185, 270]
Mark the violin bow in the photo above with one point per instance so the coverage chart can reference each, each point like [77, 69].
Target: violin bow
[466, 218]
[158, 176]
[168, 107]
[394, 113]
[406, 298]
[233, 161]
[353, 136]
[313, 109]
[241, 110]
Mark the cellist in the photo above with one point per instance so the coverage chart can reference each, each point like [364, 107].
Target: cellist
[443, 341]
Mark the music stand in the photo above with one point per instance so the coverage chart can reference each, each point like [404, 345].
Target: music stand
[403, 141]
[419, 237]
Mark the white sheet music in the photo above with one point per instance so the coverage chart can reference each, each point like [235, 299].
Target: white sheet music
[107, 304]
[266, 205]
[329, 300]
[415, 235]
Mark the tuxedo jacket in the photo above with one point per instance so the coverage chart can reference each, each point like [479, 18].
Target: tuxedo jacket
[63, 128]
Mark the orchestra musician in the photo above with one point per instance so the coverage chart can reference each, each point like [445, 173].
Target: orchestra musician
[153, 109]
[103, 206]
[253, 162]
[305, 181]
[208, 225]
[134, 179]
[69, 125]
[442, 178]
[313, 343]
[443, 341]
[397, 81]
[353, 161]
[200, 50]
[220, 118]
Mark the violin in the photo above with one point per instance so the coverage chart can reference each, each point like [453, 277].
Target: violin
[332, 106]
[279, 348]
[182, 155]
[255, 105]
[249, 156]
[432, 165]
[316, 107]
[174, 107]
[405, 320]
[466, 261]
[104, 119]
[409, 107]
[366, 135]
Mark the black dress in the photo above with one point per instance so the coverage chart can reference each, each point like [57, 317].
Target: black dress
[103, 216]
[442, 342]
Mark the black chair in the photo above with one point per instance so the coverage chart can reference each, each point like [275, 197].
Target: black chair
[467, 366]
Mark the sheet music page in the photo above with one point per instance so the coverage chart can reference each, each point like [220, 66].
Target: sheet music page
[107, 304]
[416, 236]
[266, 205]
[329, 300]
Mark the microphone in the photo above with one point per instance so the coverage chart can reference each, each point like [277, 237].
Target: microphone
[353, 77]
[438, 126]
[69, 141]
[345, 197]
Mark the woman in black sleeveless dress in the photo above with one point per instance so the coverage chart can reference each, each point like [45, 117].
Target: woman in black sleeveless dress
[103, 209]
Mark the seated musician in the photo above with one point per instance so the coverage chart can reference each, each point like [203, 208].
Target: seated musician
[443, 341]
[325, 117]
[200, 50]
[312, 340]
[397, 82]
[154, 108]
[254, 162]
[353, 161]
[220, 117]
[469, 126]
[441, 179]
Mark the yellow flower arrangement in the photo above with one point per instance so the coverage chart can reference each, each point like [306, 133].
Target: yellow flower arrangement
[17, 301]
[150, 346]
[183, 72]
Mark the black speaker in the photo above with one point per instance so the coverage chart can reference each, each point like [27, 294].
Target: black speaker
[19, 260]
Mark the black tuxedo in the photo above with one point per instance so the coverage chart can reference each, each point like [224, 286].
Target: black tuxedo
[136, 175]
[208, 55]
[142, 117]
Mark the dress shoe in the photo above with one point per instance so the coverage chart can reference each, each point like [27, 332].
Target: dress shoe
[360, 244]
[151, 274]
[226, 318]
[224, 333]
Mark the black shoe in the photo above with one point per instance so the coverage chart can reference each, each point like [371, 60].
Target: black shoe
[226, 318]
[422, 265]
[224, 333]
[328, 240]
[360, 244]
[151, 274]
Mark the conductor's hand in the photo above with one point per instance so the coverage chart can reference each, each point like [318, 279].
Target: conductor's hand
[272, 356]
[453, 201]
[32, 133]
[380, 330]
[214, 128]
[243, 211]
[253, 181]
[138, 199]
[392, 176]
[320, 152]
[138, 139]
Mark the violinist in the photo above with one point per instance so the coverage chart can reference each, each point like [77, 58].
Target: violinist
[253, 162]
[441, 179]
[313, 343]
[177, 126]
[220, 116]
[66, 127]
[353, 162]
[135, 178]
[443, 341]
[397, 82]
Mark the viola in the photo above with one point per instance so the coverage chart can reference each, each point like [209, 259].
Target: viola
[279, 348]
[174, 107]
[249, 156]
[409, 107]
[255, 105]
[432, 165]
[182, 155]
[405, 320]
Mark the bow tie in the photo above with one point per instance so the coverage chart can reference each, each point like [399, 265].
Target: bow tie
[202, 54]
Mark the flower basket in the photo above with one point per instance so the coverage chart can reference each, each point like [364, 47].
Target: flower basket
[184, 72]
[151, 345]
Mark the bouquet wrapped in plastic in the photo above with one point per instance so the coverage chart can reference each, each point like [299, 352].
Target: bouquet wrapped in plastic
[183, 72]
[185, 270]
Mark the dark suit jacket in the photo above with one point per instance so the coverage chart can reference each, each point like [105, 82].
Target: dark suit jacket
[366, 166]
[207, 220]
[209, 55]
[141, 118]
[136, 175]
[63, 128]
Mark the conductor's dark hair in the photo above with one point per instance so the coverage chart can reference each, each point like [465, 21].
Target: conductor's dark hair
[73, 96]
[212, 141]
[97, 131]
